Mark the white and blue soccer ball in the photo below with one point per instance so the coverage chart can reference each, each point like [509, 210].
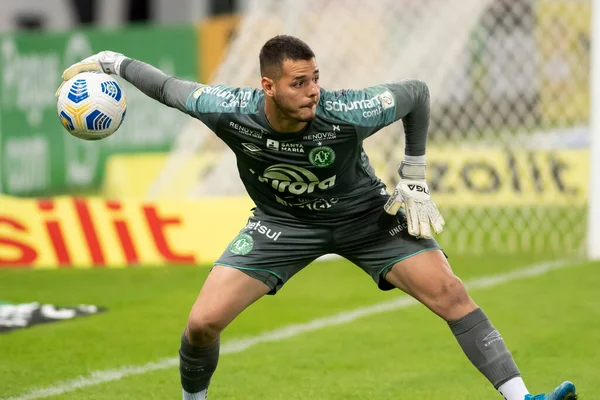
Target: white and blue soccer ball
[91, 105]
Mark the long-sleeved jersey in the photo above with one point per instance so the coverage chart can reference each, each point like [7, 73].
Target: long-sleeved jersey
[320, 173]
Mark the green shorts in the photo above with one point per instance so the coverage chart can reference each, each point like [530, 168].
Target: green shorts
[273, 249]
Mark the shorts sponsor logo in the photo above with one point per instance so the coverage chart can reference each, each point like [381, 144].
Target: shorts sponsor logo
[292, 179]
[242, 244]
[398, 229]
[263, 229]
[321, 156]
[246, 131]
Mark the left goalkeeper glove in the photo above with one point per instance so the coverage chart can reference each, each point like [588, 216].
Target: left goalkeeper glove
[106, 61]
[421, 213]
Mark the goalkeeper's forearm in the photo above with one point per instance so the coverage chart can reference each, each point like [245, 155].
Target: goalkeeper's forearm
[167, 89]
[416, 122]
[413, 107]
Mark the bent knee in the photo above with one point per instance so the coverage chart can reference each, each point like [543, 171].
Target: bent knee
[202, 331]
[451, 298]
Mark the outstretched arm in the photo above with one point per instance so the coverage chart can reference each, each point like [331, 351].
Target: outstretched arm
[164, 88]
[167, 89]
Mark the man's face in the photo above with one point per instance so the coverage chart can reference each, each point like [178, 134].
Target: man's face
[296, 91]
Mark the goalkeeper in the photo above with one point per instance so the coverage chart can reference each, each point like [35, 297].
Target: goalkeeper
[300, 157]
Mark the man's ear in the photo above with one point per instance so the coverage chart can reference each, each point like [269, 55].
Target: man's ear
[267, 85]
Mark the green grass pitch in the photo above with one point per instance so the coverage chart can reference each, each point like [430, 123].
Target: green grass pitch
[550, 322]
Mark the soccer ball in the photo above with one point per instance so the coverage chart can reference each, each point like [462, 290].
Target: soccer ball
[91, 105]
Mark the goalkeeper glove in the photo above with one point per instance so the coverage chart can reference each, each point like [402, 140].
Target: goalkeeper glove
[421, 213]
[106, 61]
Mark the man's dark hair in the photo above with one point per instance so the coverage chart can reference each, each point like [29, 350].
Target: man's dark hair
[280, 48]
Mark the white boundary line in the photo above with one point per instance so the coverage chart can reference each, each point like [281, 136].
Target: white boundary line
[237, 346]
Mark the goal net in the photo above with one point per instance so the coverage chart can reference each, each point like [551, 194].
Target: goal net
[509, 80]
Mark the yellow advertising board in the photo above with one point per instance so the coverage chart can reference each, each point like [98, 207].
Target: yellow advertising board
[83, 232]
[456, 176]
[95, 232]
[485, 177]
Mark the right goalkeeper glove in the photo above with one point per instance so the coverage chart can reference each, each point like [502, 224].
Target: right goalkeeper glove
[106, 61]
[422, 215]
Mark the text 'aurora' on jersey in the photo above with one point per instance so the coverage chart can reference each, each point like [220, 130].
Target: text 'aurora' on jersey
[286, 178]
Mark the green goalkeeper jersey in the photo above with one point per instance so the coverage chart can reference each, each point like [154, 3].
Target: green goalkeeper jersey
[320, 173]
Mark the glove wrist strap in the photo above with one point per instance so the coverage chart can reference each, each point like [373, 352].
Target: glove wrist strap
[412, 167]
[117, 64]
[414, 159]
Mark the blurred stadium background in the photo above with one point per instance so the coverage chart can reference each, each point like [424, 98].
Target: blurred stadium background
[509, 159]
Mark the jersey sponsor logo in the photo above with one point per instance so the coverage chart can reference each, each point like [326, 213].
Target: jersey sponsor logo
[246, 131]
[387, 100]
[199, 92]
[320, 136]
[231, 98]
[321, 156]
[309, 204]
[263, 229]
[370, 107]
[242, 244]
[272, 144]
[292, 147]
[288, 147]
[292, 179]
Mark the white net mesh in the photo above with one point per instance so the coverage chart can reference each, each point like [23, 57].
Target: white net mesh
[507, 149]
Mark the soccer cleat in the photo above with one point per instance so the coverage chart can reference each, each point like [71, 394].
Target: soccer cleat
[565, 391]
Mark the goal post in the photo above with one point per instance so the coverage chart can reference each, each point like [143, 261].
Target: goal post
[593, 239]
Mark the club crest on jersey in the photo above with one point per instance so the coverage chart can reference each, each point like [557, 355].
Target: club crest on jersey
[242, 244]
[322, 156]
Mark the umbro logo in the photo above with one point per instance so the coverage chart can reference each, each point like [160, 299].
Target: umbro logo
[251, 147]
[491, 337]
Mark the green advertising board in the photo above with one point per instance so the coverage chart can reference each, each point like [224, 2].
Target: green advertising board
[37, 155]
